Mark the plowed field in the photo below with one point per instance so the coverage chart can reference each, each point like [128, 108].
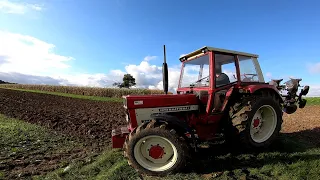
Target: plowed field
[92, 121]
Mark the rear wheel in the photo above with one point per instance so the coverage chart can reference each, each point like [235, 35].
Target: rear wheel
[258, 122]
[154, 149]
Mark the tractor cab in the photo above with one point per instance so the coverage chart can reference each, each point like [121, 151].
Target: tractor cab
[212, 71]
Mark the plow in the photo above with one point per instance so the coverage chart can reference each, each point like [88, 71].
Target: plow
[221, 97]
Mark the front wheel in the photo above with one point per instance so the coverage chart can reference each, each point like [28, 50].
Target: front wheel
[258, 122]
[154, 149]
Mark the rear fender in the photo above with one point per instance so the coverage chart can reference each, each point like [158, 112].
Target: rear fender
[270, 90]
[259, 88]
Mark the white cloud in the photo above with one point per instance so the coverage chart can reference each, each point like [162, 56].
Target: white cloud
[29, 55]
[149, 58]
[314, 68]
[11, 7]
[314, 91]
[25, 59]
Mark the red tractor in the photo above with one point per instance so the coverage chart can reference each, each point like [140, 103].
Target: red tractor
[221, 97]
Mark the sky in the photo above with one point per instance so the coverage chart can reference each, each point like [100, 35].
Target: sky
[94, 43]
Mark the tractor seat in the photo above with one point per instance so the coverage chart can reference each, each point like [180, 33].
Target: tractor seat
[222, 79]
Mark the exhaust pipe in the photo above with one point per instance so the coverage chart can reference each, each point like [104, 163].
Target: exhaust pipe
[165, 71]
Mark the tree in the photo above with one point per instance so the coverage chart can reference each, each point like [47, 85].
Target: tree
[128, 81]
[4, 82]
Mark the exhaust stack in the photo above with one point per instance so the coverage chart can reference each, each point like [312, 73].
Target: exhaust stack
[165, 71]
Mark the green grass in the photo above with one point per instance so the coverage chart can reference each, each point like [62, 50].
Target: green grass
[94, 98]
[313, 101]
[23, 145]
[109, 165]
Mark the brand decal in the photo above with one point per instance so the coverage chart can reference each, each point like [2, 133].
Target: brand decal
[138, 102]
[184, 108]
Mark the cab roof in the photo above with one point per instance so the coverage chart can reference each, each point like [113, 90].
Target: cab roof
[207, 48]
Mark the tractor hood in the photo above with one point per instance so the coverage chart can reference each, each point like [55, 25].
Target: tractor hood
[152, 101]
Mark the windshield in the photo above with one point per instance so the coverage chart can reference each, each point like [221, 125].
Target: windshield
[196, 72]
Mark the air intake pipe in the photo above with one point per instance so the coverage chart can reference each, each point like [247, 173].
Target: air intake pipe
[165, 71]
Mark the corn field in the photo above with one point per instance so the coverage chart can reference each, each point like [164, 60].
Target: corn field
[87, 91]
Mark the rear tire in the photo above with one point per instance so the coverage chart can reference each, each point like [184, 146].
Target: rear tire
[258, 122]
[154, 149]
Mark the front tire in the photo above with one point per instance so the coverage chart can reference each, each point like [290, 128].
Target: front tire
[259, 122]
[155, 149]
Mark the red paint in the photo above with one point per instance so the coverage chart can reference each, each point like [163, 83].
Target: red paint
[254, 87]
[185, 89]
[215, 118]
[228, 94]
[206, 131]
[204, 119]
[119, 136]
[117, 141]
[256, 123]
[156, 152]
[212, 82]
[237, 69]
[151, 101]
[204, 99]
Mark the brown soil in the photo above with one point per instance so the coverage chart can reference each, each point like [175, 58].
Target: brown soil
[91, 121]
[303, 119]
[304, 124]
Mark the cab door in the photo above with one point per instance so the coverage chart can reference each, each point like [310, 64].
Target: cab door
[224, 77]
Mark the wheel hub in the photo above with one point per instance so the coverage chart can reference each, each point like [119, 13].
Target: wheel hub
[156, 152]
[256, 122]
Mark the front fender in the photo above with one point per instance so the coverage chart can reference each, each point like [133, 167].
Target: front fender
[180, 126]
[172, 120]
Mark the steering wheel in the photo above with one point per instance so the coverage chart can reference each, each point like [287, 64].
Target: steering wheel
[249, 78]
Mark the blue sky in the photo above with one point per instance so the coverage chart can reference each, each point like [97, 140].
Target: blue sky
[103, 36]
